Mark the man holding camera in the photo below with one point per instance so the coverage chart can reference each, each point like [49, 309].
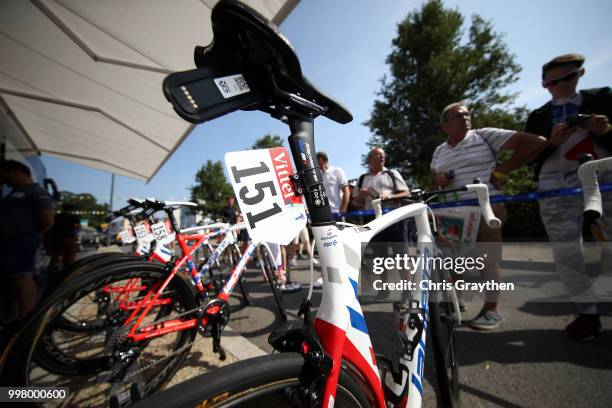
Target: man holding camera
[468, 154]
[584, 118]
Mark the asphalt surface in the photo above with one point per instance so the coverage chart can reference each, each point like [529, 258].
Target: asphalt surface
[527, 362]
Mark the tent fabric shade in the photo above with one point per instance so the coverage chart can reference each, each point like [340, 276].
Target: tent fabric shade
[81, 80]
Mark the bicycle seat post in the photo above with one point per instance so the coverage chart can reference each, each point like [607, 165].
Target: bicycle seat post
[301, 143]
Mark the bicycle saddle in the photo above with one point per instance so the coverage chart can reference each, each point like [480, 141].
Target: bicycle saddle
[248, 65]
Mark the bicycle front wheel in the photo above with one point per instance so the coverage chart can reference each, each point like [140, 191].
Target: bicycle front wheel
[443, 323]
[269, 381]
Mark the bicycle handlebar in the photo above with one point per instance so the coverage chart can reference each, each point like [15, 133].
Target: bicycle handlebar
[481, 190]
[587, 173]
[122, 212]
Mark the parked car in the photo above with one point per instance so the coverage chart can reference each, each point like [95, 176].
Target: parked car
[88, 236]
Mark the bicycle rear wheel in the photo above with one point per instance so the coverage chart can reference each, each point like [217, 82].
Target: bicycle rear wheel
[97, 366]
[274, 380]
[442, 324]
[67, 322]
[268, 268]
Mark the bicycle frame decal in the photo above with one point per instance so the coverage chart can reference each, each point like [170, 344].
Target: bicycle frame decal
[237, 272]
[340, 325]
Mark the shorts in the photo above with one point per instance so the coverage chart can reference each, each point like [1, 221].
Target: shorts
[302, 236]
[488, 234]
[18, 256]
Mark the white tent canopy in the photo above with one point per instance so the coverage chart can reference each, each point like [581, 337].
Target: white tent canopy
[81, 80]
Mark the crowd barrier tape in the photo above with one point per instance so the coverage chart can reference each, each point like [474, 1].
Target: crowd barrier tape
[533, 196]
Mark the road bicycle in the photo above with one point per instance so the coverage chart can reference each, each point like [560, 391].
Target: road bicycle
[139, 213]
[330, 360]
[87, 318]
[143, 319]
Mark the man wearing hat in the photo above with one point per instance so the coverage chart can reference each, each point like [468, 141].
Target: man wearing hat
[584, 117]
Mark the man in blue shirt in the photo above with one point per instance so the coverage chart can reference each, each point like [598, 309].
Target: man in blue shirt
[25, 214]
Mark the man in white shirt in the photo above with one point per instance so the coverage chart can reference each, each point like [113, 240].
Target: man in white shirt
[473, 153]
[336, 184]
[379, 181]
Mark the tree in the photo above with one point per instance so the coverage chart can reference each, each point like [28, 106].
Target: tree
[85, 206]
[211, 188]
[267, 141]
[431, 66]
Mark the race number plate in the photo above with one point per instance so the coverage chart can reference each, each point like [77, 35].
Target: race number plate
[142, 234]
[262, 183]
[162, 236]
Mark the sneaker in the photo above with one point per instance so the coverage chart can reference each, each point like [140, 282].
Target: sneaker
[462, 306]
[290, 287]
[293, 262]
[318, 284]
[316, 262]
[487, 320]
[585, 327]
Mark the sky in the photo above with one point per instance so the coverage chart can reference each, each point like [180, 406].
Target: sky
[342, 46]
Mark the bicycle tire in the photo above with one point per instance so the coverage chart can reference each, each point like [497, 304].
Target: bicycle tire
[19, 366]
[442, 327]
[50, 357]
[267, 381]
[61, 276]
[85, 269]
[268, 267]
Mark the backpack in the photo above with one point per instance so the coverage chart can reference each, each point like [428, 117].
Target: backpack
[389, 172]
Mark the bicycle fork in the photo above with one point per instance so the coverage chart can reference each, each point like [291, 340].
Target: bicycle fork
[405, 368]
[403, 380]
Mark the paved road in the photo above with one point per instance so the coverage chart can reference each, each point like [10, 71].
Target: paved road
[528, 362]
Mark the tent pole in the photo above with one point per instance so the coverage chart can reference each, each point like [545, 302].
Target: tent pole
[110, 204]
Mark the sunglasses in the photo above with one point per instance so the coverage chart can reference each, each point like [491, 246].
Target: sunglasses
[567, 77]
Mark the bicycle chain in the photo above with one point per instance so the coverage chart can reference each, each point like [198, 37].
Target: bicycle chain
[172, 354]
[141, 369]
